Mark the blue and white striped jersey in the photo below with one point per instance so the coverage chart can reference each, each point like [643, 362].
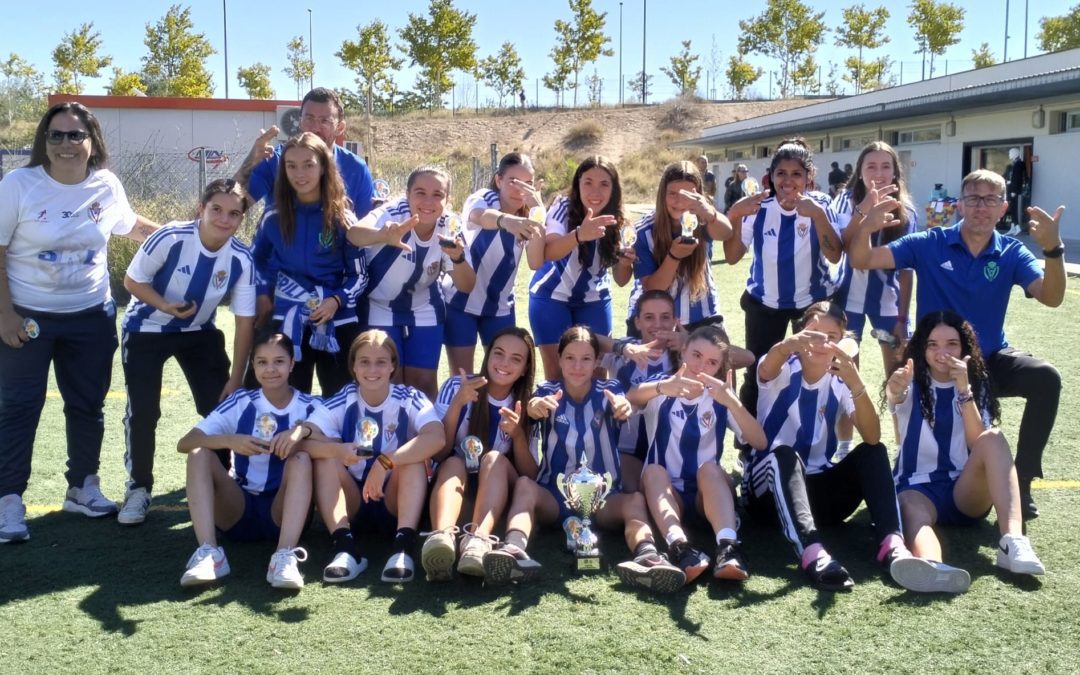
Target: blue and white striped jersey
[402, 286]
[687, 309]
[494, 255]
[566, 280]
[496, 440]
[929, 454]
[248, 412]
[683, 435]
[400, 417]
[629, 374]
[574, 429]
[802, 415]
[176, 265]
[788, 270]
[873, 292]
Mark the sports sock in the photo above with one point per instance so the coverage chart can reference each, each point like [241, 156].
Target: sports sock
[726, 533]
[405, 539]
[892, 541]
[517, 538]
[645, 548]
[811, 553]
[675, 534]
[343, 541]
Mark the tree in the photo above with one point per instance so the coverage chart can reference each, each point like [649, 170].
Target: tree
[176, 64]
[301, 68]
[255, 79]
[1060, 32]
[740, 75]
[595, 85]
[438, 44]
[683, 73]
[77, 54]
[861, 29]
[868, 75]
[636, 87]
[23, 89]
[503, 72]
[832, 85]
[370, 57]
[557, 79]
[805, 76]
[788, 31]
[982, 57]
[937, 27]
[582, 40]
[715, 64]
[126, 84]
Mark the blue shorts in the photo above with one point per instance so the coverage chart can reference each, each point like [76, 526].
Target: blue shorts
[690, 513]
[462, 328]
[856, 321]
[418, 346]
[550, 318]
[373, 516]
[940, 494]
[257, 523]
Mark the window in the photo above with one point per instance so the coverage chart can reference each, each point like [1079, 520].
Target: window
[741, 153]
[1072, 120]
[854, 142]
[923, 135]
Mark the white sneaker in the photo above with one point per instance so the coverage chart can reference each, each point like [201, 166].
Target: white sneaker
[1013, 231]
[136, 504]
[1016, 555]
[438, 555]
[88, 500]
[473, 549]
[206, 565]
[12, 519]
[284, 568]
[927, 576]
[399, 569]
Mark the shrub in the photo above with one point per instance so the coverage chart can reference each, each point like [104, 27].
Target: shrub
[583, 134]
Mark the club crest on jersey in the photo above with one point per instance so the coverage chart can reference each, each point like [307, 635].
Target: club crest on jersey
[502, 439]
[95, 212]
[219, 279]
[326, 239]
[991, 270]
[707, 419]
[821, 412]
[432, 269]
[803, 228]
[391, 429]
[598, 419]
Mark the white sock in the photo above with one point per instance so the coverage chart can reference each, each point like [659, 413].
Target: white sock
[675, 534]
[726, 533]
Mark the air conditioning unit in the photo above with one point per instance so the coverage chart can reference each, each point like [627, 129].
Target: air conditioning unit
[288, 121]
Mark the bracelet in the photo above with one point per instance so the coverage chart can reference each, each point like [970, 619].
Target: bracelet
[658, 383]
[458, 261]
[861, 392]
[1055, 252]
[577, 236]
[964, 397]
[498, 221]
[385, 460]
[675, 257]
[858, 211]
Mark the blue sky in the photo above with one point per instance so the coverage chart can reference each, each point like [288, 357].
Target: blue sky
[258, 30]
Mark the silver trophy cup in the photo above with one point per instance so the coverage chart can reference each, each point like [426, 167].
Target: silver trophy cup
[584, 492]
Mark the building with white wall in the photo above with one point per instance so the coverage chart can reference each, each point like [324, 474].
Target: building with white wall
[943, 128]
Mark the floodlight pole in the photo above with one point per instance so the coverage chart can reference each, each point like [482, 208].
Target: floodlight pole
[225, 25]
[310, 51]
[644, 82]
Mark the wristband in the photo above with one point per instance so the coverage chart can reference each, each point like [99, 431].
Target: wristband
[577, 236]
[498, 221]
[458, 261]
[861, 392]
[385, 460]
[858, 211]
[964, 397]
[675, 257]
[1055, 252]
[658, 383]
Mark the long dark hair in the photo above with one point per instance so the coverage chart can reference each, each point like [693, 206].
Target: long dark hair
[978, 376]
[857, 191]
[693, 268]
[796, 150]
[332, 196]
[508, 160]
[99, 156]
[521, 390]
[607, 247]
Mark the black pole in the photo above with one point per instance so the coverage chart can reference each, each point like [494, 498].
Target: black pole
[644, 16]
[620, 56]
[310, 52]
[225, 25]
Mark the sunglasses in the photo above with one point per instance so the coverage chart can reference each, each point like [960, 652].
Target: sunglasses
[56, 137]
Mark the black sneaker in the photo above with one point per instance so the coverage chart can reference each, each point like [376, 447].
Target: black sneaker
[730, 562]
[829, 575]
[651, 571]
[687, 558]
[1028, 509]
[509, 563]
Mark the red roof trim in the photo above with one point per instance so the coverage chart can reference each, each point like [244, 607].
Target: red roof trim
[171, 103]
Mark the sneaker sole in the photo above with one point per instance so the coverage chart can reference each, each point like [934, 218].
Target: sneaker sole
[189, 582]
[692, 573]
[502, 569]
[72, 507]
[731, 573]
[921, 576]
[657, 579]
[15, 538]
[128, 520]
[1025, 568]
[287, 584]
[438, 562]
[472, 566]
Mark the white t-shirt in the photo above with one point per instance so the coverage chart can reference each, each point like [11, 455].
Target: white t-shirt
[57, 237]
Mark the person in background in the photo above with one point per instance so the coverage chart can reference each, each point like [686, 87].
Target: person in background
[708, 178]
[734, 190]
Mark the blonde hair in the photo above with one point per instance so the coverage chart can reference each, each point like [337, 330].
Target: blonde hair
[986, 177]
[693, 268]
[374, 338]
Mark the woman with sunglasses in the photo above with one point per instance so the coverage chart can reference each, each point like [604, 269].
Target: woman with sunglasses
[56, 217]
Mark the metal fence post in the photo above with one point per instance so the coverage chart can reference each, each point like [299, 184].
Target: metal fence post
[202, 172]
[494, 157]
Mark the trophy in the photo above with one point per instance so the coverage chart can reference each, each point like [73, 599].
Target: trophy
[31, 328]
[627, 237]
[689, 224]
[537, 214]
[453, 231]
[265, 428]
[382, 189]
[367, 430]
[312, 302]
[473, 447]
[584, 492]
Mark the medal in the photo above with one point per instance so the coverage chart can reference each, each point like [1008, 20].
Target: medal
[31, 328]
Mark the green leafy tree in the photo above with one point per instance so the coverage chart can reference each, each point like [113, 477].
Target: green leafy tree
[582, 38]
[640, 87]
[832, 85]
[439, 43]
[868, 75]
[788, 31]
[371, 59]
[77, 54]
[741, 75]
[126, 84]
[937, 27]
[1060, 32]
[23, 89]
[983, 57]
[301, 68]
[595, 85]
[805, 76]
[503, 72]
[683, 73]
[255, 79]
[176, 62]
[559, 76]
[861, 29]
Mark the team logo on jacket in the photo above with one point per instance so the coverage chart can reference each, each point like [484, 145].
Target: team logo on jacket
[219, 279]
[991, 270]
[707, 419]
[803, 228]
[95, 212]
[326, 239]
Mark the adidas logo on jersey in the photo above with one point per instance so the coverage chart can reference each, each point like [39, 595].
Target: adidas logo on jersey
[947, 265]
[184, 269]
[770, 232]
[561, 419]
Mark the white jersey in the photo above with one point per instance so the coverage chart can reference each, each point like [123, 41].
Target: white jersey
[495, 439]
[495, 255]
[248, 412]
[788, 270]
[57, 237]
[402, 286]
[873, 292]
[684, 435]
[801, 415]
[928, 454]
[687, 309]
[629, 374]
[566, 279]
[574, 430]
[401, 416]
[176, 264]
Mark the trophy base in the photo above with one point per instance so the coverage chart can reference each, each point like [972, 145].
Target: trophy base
[587, 564]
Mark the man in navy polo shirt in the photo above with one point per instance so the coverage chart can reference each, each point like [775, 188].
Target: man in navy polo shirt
[970, 269]
[322, 114]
